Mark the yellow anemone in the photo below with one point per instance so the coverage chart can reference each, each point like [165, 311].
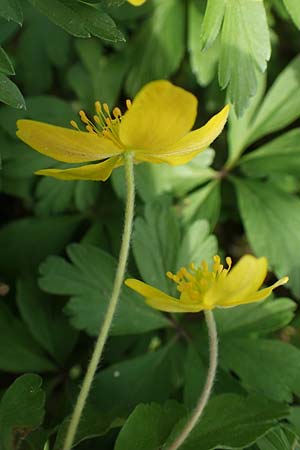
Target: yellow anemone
[136, 2]
[202, 289]
[155, 128]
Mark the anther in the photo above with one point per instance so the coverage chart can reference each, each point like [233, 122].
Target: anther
[106, 108]
[83, 117]
[89, 129]
[128, 103]
[98, 107]
[74, 125]
[229, 262]
[97, 120]
[117, 113]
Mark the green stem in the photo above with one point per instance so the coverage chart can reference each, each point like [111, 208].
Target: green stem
[103, 335]
[211, 374]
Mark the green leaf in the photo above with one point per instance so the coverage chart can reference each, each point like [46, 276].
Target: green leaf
[281, 105]
[204, 203]
[10, 93]
[19, 352]
[21, 410]
[213, 19]
[11, 10]
[158, 48]
[43, 316]
[194, 377]
[268, 367]
[158, 237]
[197, 245]
[49, 236]
[44, 108]
[265, 207]
[154, 180]
[97, 22]
[258, 318]
[231, 421]
[280, 156]
[111, 391]
[62, 16]
[101, 76]
[37, 54]
[294, 10]
[88, 279]
[203, 63]
[239, 126]
[54, 196]
[79, 19]
[294, 418]
[245, 48]
[93, 424]
[6, 65]
[277, 439]
[148, 426]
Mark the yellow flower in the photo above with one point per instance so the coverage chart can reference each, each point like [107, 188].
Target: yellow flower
[136, 2]
[202, 289]
[156, 128]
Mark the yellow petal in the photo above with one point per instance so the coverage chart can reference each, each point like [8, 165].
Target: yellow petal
[173, 160]
[95, 172]
[191, 144]
[64, 144]
[136, 2]
[260, 295]
[160, 115]
[159, 300]
[244, 279]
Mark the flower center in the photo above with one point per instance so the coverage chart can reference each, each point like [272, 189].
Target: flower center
[104, 122]
[194, 282]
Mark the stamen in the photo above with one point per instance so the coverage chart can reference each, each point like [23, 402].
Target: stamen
[117, 113]
[128, 103]
[98, 107]
[228, 262]
[102, 123]
[74, 125]
[204, 266]
[83, 117]
[106, 109]
[194, 282]
[90, 129]
[192, 266]
[97, 120]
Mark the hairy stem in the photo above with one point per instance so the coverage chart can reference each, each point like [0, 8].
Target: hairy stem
[103, 335]
[211, 374]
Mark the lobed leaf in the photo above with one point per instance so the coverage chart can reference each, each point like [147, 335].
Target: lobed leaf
[231, 421]
[21, 410]
[88, 279]
[266, 207]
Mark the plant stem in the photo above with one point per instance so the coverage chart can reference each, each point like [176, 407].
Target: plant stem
[103, 334]
[211, 374]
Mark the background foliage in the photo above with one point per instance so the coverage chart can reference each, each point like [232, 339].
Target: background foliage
[59, 240]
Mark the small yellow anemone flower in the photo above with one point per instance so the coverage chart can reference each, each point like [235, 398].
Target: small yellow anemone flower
[136, 2]
[202, 289]
[155, 128]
